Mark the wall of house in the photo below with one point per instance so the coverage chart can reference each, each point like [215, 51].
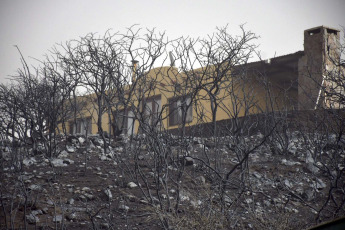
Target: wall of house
[243, 95]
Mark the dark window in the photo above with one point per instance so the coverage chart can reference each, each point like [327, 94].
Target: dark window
[180, 108]
[124, 122]
[152, 109]
[81, 126]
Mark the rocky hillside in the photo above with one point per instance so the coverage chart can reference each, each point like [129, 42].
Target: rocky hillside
[165, 182]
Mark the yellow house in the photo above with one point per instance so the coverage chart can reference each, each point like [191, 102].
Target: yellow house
[165, 98]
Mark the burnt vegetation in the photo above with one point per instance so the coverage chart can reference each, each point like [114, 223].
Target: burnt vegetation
[278, 168]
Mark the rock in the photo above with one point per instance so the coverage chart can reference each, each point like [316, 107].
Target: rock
[267, 203]
[50, 202]
[249, 200]
[257, 175]
[103, 158]
[287, 183]
[184, 196]
[89, 196]
[70, 201]
[72, 139]
[57, 219]
[37, 212]
[108, 193]
[29, 161]
[132, 185]
[290, 163]
[110, 155]
[45, 210]
[190, 148]
[32, 219]
[119, 149]
[63, 154]
[106, 226]
[68, 161]
[71, 216]
[199, 146]
[131, 198]
[91, 146]
[312, 168]
[195, 204]
[311, 163]
[123, 207]
[35, 187]
[200, 180]
[70, 149]
[320, 184]
[188, 161]
[81, 140]
[227, 199]
[58, 162]
[86, 189]
[309, 194]
[98, 142]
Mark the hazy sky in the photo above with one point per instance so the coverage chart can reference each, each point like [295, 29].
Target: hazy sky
[36, 25]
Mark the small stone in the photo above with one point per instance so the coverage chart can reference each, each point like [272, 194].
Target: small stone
[201, 180]
[81, 140]
[32, 219]
[103, 158]
[29, 161]
[287, 183]
[70, 149]
[71, 216]
[70, 201]
[257, 175]
[35, 187]
[63, 154]
[58, 163]
[37, 212]
[108, 193]
[320, 184]
[50, 202]
[131, 198]
[249, 200]
[89, 196]
[132, 185]
[86, 189]
[188, 161]
[123, 207]
[57, 219]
